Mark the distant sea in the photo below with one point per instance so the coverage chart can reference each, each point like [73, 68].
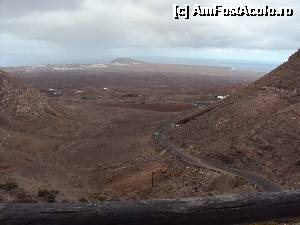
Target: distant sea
[238, 65]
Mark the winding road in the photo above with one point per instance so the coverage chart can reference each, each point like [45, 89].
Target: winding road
[161, 137]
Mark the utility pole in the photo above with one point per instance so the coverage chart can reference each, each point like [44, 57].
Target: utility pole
[152, 179]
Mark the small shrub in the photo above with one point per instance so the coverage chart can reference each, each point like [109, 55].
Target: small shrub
[23, 197]
[97, 197]
[50, 196]
[9, 186]
[43, 193]
[83, 200]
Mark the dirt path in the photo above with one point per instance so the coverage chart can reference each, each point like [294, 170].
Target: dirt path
[161, 136]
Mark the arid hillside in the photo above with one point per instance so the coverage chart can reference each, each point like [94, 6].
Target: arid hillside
[16, 99]
[256, 129]
[285, 76]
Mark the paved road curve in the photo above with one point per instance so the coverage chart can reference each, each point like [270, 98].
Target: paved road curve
[161, 137]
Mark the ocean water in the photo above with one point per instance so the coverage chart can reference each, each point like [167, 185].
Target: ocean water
[257, 66]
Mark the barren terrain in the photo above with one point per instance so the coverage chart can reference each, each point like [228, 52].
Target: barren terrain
[92, 137]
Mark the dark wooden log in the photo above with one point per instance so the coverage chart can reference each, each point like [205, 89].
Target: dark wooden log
[230, 209]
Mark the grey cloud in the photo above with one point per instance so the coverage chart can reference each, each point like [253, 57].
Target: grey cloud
[19, 8]
[99, 25]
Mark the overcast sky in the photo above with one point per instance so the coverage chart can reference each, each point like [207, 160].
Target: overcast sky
[89, 31]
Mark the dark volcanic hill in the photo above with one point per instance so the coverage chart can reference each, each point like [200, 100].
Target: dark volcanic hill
[16, 99]
[258, 129]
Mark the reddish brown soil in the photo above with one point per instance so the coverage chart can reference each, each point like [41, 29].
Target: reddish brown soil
[6, 167]
[158, 107]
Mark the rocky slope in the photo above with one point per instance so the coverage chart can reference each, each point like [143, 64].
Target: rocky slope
[16, 99]
[258, 129]
[31, 128]
[17, 103]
